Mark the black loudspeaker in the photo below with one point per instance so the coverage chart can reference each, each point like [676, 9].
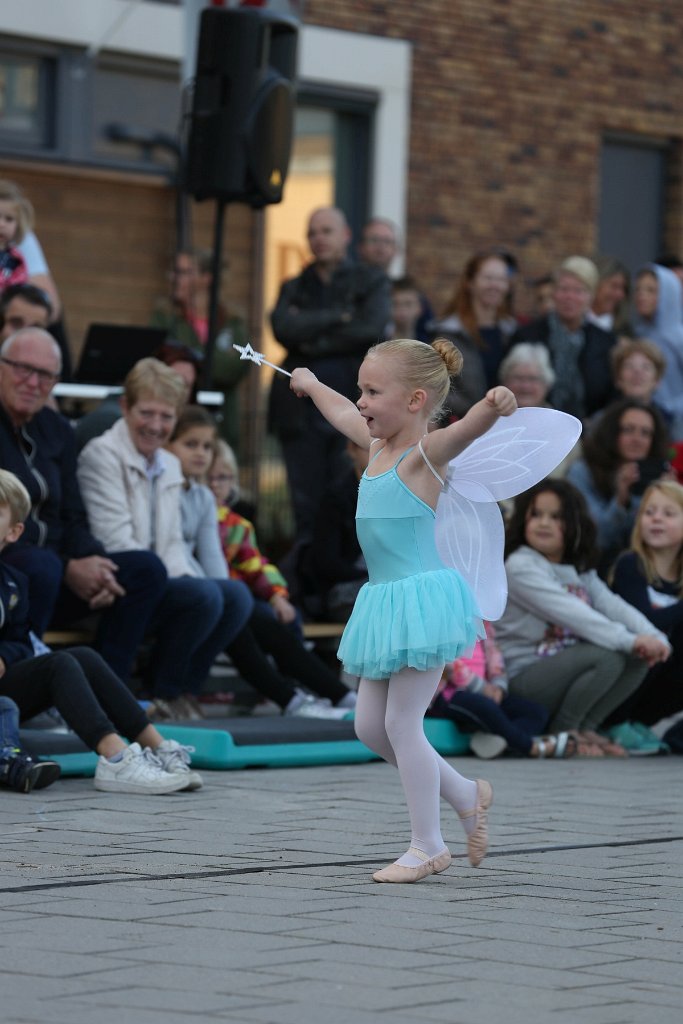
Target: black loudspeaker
[242, 116]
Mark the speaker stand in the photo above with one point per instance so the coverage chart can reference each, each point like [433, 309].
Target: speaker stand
[216, 262]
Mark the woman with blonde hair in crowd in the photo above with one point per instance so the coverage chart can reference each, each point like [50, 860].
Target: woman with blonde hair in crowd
[579, 349]
[132, 491]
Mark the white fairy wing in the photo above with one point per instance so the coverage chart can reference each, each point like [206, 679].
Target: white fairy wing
[512, 456]
[470, 537]
[516, 453]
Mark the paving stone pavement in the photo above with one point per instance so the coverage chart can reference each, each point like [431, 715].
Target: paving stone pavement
[251, 901]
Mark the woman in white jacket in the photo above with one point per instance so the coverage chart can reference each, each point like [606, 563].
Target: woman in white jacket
[558, 608]
[131, 488]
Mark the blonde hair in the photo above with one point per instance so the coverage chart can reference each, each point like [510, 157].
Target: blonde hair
[674, 492]
[222, 452]
[423, 366]
[13, 495]
[150, 378]
[11, 193]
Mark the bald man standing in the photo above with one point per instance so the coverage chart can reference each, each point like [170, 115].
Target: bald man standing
[326, 318]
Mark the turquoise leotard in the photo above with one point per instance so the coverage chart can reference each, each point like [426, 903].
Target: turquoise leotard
[413, 611]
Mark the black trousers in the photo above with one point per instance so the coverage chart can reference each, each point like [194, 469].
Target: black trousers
[263, 635]
[85, 691]
[661, 692]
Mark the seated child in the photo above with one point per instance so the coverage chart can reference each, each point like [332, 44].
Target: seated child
[474, 693]
[18, 770]
[91, 699]
[238, 540]
[268, 629]
[650, 577]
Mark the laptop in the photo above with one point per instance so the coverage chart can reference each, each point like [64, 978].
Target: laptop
[111, 350]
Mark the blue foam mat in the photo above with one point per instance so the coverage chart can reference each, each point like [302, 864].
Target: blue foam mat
[216, 749]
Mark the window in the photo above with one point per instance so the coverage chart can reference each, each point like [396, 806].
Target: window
[26, 113]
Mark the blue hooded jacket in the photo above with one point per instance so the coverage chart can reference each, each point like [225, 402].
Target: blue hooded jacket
[666, 330]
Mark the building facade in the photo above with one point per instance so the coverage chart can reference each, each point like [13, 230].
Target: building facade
[547, 128]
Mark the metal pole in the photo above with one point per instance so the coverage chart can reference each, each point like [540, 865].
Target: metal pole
[207, 375]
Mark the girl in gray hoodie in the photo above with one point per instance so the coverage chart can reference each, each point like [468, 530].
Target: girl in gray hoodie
[567, 640]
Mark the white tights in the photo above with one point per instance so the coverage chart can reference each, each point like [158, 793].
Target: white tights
[389, 717]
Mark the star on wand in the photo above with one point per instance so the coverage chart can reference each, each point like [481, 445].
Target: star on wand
[247, 352]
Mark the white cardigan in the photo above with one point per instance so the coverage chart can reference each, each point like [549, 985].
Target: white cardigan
[118, 499]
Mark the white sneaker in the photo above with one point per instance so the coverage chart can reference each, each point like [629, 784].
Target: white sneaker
[303, 705]
[138, 771]
[175, 759]
[349, 701]
[487, 745]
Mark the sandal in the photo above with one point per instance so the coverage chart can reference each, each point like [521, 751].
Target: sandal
[563, 745]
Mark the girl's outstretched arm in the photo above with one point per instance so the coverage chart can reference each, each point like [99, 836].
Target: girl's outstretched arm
[443, 445]
[337, 410]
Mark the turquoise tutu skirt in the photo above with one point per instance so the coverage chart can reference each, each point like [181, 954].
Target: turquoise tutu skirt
[420, 622]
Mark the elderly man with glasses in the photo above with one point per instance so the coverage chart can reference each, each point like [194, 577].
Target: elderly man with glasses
[70, 574]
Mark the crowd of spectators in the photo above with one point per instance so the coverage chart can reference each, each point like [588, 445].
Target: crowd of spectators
[127, 536]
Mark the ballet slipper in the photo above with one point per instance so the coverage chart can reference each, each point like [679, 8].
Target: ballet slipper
[478, 839]
[430, 866]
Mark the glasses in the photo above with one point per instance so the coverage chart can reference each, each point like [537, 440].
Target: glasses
[22, 371]
[221, 478]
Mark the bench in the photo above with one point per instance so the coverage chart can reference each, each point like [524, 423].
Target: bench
[64, 637]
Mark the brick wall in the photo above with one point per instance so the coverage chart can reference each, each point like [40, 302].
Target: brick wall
[109, 239]
[511, 99]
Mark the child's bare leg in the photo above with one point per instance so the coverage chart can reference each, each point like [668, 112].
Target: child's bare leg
[149, 737]
[110, 745]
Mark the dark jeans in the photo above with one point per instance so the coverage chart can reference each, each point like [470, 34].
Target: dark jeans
[264, 635]
[197, 619]
[122, 627]
[85, 691]
[9, 725]
[515, 719]
[661, 692]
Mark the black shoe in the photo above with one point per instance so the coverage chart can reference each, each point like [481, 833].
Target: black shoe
[23, 773]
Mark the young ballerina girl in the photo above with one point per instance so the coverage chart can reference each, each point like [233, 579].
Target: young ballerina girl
[650, 577]
[414, 614]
